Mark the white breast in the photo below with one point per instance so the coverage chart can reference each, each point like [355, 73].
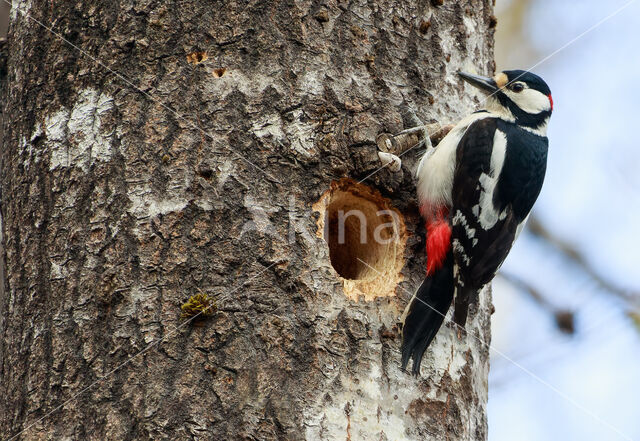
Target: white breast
[436, 168]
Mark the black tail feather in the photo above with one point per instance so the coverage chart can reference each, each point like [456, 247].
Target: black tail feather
[426, 314]
[465, 296]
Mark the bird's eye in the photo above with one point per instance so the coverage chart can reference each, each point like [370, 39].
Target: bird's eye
[517, 87]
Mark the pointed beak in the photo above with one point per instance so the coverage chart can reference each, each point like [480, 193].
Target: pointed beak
[483, 83]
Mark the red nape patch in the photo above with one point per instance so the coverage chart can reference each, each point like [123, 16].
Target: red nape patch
[438, 243]
[550, 101]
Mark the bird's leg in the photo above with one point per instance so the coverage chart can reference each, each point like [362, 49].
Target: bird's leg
[391, 147]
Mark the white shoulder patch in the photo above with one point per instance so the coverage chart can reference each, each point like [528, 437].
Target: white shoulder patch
[487, 213]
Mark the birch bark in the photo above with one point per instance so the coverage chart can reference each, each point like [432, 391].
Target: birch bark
[167, 148]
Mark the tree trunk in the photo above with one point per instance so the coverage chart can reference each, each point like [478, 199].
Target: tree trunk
[171, 148]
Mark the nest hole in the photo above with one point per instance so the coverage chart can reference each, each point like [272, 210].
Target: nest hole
[366, 238]
[352, 224]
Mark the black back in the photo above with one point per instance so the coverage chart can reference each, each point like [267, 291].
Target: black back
[525, 165]
[479, 252]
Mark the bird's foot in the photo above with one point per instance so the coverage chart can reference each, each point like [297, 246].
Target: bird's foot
[392, 147]
[390, 160]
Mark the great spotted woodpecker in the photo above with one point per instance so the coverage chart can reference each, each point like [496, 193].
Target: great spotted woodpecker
[475, 190]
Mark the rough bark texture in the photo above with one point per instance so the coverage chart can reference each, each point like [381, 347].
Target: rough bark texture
[116, 207]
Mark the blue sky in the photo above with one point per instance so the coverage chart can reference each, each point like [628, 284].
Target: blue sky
[591, 198]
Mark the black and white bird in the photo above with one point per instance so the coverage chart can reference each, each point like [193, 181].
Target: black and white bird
[476, 190]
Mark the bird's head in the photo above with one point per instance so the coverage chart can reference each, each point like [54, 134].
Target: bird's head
[518, 95]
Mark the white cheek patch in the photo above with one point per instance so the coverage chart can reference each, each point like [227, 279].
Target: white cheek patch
[530, 100]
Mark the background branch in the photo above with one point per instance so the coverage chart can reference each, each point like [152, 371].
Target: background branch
[571, 252]
[564, 318]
